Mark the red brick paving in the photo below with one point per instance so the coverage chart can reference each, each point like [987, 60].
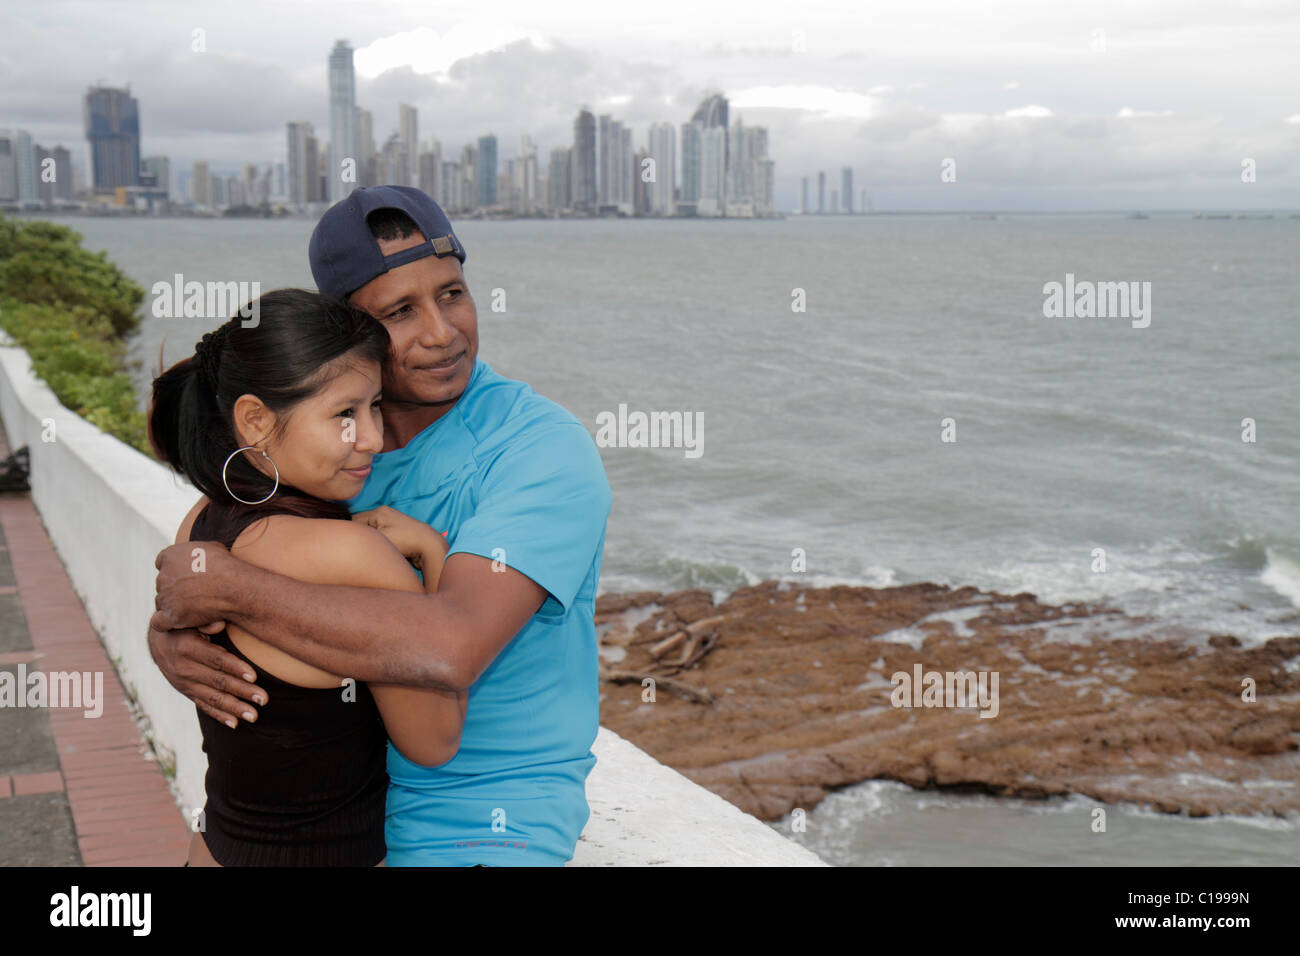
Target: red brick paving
[49, 782]
[122, 809]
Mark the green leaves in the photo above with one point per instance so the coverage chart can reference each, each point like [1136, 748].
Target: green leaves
[71, 310]
[41, 262]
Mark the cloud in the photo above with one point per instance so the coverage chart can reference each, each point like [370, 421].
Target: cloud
[816, 99]
[426, 51]
[1028, 112]
[1129, 113]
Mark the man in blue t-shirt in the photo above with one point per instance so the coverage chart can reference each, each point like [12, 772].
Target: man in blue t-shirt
[517, 485]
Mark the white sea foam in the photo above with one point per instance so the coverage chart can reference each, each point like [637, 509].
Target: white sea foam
[1282, 574]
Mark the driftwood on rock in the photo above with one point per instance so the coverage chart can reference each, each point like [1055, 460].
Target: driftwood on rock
[667, 644]
[698, 695]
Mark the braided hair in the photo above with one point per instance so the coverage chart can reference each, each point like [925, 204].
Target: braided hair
[207, 354]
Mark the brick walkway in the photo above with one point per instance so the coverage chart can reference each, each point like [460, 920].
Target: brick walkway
[74, 790]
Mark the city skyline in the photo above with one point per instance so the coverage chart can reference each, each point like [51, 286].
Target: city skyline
[1113, 107]
[713, 187]
[726, 168]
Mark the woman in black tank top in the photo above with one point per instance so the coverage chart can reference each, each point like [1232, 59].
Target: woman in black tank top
[304, 784]
[281, 419]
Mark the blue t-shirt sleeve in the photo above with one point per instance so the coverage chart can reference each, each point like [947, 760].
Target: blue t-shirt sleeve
[542, 507]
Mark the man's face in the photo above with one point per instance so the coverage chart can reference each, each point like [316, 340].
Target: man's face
[431, 319]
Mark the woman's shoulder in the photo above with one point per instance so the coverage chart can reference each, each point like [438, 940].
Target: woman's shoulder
[183, 532]
[324, 550]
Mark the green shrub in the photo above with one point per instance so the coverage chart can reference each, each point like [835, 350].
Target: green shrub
[71, 310]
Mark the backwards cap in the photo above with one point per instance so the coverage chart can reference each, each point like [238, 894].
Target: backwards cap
[345, 254]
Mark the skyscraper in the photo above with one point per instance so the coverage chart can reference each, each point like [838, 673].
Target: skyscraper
[430, 171]
[343, 122]
[712, 113]
[614, 183]
[408, 128]
[201, 185]
[691, 162]
[623, 169]
[846, 187]
[8, 166]
[764, 186]
[113, 131]
[312, 168]
[584, 162]
[821, 191]
[161, 169]
[748, 171]
[487, 171]
[449, 200]
[641, 188]
[559, 180]
[394, 163]
[60, 187]
[528, 176]
[467, 187]
[663, 149]
[602, 159]
[713, 171]
[739, 175]
[302, 161]
[367, 155]
[25, 167]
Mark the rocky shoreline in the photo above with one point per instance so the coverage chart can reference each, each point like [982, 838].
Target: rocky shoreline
[781, 693]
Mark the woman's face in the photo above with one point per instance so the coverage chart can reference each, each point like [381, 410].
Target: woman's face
[324, 444]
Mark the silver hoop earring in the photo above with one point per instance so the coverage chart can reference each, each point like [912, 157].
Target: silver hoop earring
[227, 484]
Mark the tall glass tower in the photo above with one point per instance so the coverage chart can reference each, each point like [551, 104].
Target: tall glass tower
[113, 130]
[487, 171]
[343, 123]
[584, 161]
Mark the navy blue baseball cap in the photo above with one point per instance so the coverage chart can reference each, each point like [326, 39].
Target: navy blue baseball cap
[345, 254]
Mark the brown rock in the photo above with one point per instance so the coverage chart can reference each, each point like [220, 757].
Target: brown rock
[799, 688]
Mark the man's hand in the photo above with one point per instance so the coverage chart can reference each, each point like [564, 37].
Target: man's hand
[188, 585]
[186, 599]
[217, 681]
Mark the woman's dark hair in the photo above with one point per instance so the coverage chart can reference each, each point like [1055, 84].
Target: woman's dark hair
[280, 358]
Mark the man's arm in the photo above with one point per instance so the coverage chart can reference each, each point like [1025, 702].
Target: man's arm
[443, 640]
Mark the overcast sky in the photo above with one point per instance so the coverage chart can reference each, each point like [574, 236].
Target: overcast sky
[1104, 105]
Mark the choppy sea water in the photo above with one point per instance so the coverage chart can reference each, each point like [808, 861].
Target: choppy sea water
[822, 428]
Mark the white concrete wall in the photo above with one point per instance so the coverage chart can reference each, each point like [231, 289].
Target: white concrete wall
[109, 510]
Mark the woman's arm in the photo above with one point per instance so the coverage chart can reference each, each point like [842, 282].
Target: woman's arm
[423, 723]
[403, 707]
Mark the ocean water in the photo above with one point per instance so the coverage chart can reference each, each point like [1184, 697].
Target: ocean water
[822, 428]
